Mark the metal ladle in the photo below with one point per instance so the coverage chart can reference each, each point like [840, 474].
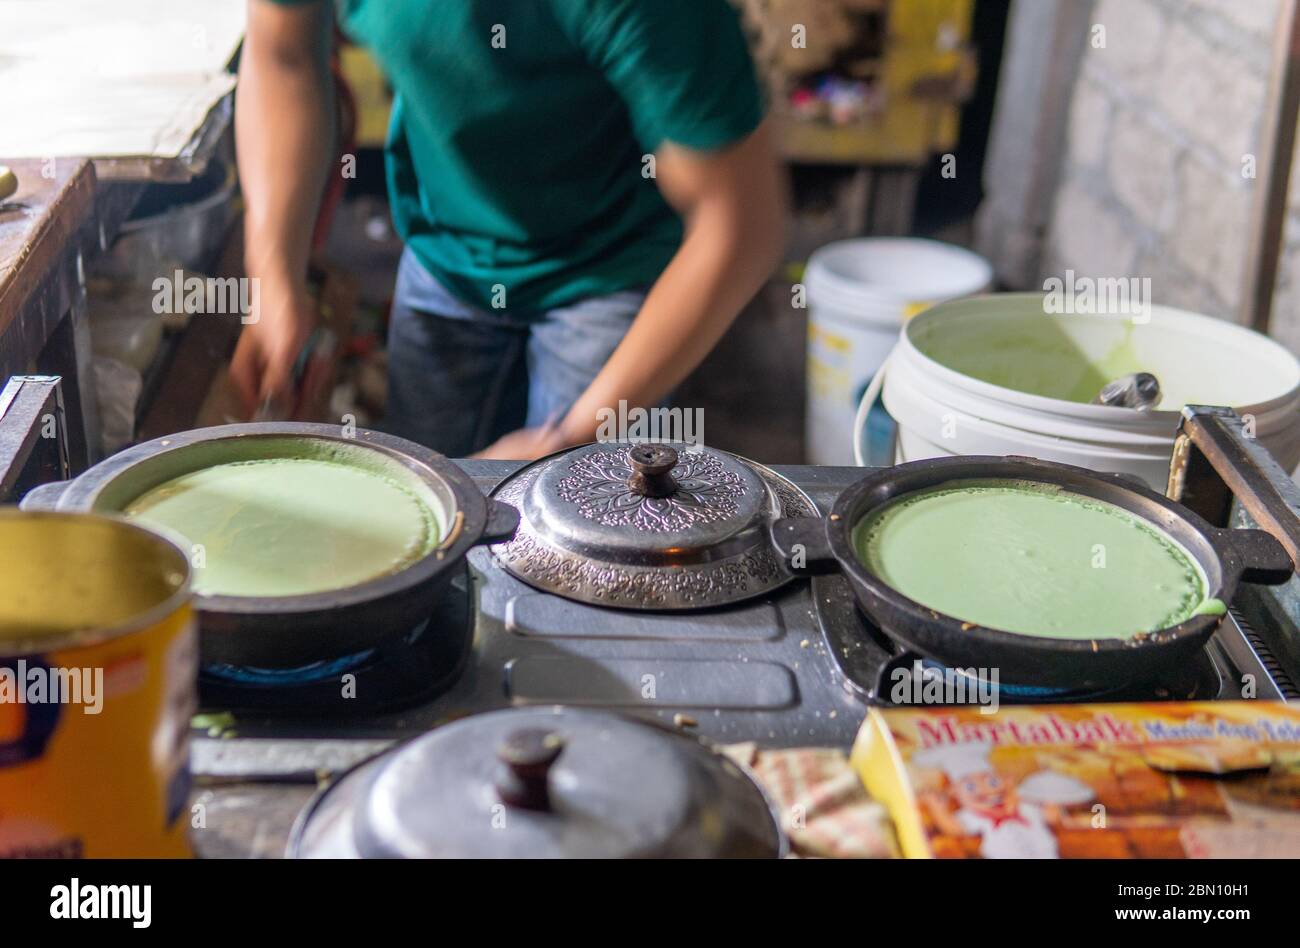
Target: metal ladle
[1140, 390]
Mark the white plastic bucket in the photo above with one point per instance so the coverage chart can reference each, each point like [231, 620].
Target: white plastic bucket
[860, 292]
[940, 384]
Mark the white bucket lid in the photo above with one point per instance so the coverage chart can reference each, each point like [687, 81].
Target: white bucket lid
[876, 274]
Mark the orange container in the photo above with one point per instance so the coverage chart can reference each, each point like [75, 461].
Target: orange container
[98, 671]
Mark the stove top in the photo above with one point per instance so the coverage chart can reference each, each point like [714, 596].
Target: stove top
[796, 668]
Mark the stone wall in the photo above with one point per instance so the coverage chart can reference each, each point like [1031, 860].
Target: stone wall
[1154, 176]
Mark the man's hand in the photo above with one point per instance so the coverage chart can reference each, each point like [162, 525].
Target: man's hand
[269, 347]
[284, 137]
[525, 444]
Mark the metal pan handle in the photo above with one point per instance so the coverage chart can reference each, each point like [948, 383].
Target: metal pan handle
[44, 496]
[502, 522]
[1258, 554]
[803, 544]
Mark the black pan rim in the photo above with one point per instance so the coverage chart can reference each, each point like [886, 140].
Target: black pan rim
[855, 502]
[470, 504]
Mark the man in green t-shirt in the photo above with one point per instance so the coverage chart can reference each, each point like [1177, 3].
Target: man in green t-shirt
[586, 189]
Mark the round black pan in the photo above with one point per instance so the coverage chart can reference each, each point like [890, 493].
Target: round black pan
[289, 631]
[1226, 557]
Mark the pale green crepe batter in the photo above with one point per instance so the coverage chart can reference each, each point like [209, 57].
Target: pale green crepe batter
[289, 526]
[1028, 558]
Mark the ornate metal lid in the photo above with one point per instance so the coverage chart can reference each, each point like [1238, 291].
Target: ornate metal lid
[543, 782]
[648, 526]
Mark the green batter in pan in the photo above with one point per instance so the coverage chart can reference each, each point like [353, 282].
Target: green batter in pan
[289, 526]
[1028, 558]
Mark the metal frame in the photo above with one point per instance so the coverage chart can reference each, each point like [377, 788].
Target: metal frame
[1217, 459]
[1223, 473]
[27, 456]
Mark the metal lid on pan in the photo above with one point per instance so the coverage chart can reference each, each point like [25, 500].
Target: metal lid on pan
[648, 526]
[543, 783]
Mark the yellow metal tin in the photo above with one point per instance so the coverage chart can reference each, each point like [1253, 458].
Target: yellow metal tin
[98, 668]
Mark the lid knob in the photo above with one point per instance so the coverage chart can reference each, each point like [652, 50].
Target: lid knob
[526, 757]
[652, 467]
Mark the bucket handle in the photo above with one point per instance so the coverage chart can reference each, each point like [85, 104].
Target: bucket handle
[864, 407]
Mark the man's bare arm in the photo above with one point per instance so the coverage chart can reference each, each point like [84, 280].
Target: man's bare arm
[734, 203]
[284, 131]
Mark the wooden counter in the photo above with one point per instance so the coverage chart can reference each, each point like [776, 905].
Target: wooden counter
[43, 327]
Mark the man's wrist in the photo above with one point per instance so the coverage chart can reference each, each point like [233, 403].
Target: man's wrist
[574, 429]
[280, 296]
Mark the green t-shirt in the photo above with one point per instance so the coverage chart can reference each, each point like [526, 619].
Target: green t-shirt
[520, 128]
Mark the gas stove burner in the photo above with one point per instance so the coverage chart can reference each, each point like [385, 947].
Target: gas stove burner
[870, 663]
[408, 670]
[300, 675]
[282, 677]
[898, 684]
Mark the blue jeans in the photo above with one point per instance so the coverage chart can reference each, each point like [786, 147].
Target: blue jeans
[460, 377]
